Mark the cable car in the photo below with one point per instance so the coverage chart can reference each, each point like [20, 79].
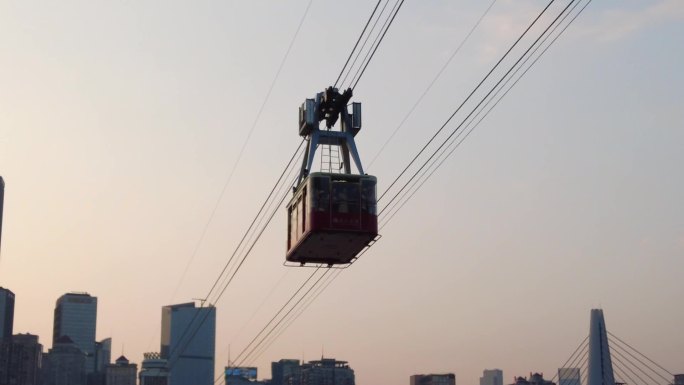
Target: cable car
[332, 216]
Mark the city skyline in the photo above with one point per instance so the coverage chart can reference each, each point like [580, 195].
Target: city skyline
[120, 125]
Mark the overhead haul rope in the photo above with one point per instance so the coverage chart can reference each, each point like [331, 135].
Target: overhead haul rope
[455, 142]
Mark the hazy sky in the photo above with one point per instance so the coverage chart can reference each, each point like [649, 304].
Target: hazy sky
[120, 122]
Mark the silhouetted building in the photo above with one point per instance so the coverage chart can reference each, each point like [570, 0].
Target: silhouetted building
[2, 204]
[5, 355]
[121, 372]
[569, 376]
[535, 379]
[65, 364]
[76, 317]
[154, 370]
[25, 360]
[433, 379]
[491, 377]
[187, 342]
[327, 371]
[6, 314]
[678, 379]
[283, 369]
[6, 325]
[103, 354]
[241, 376]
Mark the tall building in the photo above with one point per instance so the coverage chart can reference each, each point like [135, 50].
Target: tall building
[6, 314]
[6, 324]
[103, 354]
[187, 342]
[569, 376]
[154, 370]
[283, 369]
[433, 379]
[76, 317]
[25, 360]
[122, 372]
[2, 203]
[491, 377]
[64, 364]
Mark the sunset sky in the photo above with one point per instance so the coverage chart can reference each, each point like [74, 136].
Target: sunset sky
[120, 123]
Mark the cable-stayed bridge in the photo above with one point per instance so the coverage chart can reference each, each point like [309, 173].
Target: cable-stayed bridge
[603, 358]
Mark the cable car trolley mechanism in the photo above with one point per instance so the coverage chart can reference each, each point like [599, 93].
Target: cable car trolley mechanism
[332, 216]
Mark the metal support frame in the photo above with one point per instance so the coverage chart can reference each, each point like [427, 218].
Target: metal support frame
[328, 106]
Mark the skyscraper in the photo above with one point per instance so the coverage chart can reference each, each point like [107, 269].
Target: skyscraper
[6, 314]
[491, 377]
[188, 336]
[2, 203]
[76, 317]
[569, 376]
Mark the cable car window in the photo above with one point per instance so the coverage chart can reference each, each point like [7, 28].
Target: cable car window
[300, 217]
[293, 225]
[368, 199]
[320, 194]
[346, 197]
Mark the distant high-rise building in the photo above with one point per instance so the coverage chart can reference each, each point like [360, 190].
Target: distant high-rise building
[76, 317]
[491, 377]
[122, 372]
[103, 354]
[154, 370]
[25, 360]
[187, 342]
[535, 379]
[283, 369]
[433, 379]
[64, 364]
[569, 376]
[2, 204]
[6, 314]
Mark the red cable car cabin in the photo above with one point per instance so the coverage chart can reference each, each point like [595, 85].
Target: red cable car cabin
[331, 218]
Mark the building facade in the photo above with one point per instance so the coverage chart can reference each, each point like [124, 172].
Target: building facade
[122, 372]
[433, 379]
[6, 328]
[64, 364]
[6, 314]
[283, 369]
[154, 370]
[76, 317]
[491, 377]
[188, 343]
[25, 360]
[569, 376]
[2, 204]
